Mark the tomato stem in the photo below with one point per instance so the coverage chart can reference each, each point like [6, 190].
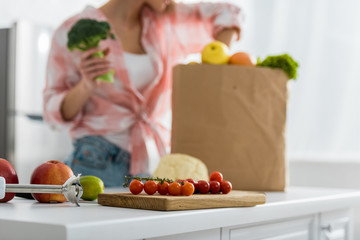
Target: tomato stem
[157, 179]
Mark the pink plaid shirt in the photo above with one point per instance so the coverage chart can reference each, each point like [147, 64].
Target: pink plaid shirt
[117, 107]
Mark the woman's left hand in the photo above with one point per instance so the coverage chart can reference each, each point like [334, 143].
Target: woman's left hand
[227, 35]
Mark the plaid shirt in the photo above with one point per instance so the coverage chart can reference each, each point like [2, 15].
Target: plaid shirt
[118, 107]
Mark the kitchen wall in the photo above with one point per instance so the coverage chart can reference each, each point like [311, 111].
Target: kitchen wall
[44, 12]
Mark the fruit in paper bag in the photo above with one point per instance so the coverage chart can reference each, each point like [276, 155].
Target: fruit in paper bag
[51, 173]
[8, 172]
[92, 187]
[241, 58]
[215, 53]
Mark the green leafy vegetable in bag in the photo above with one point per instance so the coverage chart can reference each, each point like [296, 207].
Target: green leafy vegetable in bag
[285, 62]
[87, 34]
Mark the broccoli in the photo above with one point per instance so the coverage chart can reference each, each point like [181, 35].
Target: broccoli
[87, 34]
[285, 62]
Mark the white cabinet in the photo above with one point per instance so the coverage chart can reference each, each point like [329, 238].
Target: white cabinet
[289, 229]
[327, 225]
[212, 234]
[336, 225]
[333, 225]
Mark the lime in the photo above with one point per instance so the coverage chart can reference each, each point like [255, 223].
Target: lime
[92, 186]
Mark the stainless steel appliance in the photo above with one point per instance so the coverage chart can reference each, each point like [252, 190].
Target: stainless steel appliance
[25, 140]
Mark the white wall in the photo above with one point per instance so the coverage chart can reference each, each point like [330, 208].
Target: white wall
[44, 12]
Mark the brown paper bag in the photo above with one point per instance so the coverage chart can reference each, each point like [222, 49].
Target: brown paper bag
[233, 119]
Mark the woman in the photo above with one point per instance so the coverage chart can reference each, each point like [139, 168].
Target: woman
[110, 124]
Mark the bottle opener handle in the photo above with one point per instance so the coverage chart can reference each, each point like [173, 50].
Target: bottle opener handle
[2, 187]
[71, 189]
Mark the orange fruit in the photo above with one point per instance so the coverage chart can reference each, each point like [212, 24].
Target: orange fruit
[241, 58]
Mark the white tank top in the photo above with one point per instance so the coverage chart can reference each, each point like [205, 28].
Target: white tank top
[140, 69]
[141, 72]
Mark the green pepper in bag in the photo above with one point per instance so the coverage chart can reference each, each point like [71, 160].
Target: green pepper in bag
[284, 61]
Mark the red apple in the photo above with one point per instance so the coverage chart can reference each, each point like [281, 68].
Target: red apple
[51, 173]
[8, 172]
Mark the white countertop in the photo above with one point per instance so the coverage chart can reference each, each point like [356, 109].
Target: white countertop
[27, 219]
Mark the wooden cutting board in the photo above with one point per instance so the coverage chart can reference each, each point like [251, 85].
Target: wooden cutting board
[196, 201]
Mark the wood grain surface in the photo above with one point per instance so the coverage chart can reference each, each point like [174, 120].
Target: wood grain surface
[197, 201]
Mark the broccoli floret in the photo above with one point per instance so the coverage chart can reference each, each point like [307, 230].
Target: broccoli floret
[285, 62]
[87, 34]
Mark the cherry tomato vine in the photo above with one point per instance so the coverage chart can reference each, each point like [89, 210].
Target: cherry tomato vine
[177, 187]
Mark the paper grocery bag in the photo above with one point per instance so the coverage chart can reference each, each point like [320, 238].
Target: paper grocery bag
[233, 119]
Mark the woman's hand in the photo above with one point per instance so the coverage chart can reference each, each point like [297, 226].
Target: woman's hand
[228, 35]
[92, 67]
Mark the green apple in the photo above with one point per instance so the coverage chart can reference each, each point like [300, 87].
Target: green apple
[92, 186]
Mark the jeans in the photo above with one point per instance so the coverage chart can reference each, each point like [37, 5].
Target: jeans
[94, 155]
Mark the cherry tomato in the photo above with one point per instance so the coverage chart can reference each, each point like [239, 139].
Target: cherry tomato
[195, 183]
[163, 188]
[204, 186]
[214, 187]
[216, 176]
[181, 181]
[136, 187]
[226, 187]
[150, 187]
[174, 188]
[187, 189]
